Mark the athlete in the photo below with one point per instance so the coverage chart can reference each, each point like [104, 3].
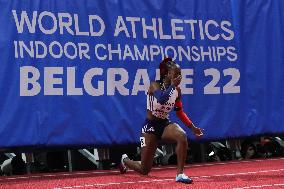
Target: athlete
[163, 96]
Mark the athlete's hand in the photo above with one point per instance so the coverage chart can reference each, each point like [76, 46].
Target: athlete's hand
[176, 81]
[198, 132]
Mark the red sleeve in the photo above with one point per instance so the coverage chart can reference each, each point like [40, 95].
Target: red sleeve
[181, 115]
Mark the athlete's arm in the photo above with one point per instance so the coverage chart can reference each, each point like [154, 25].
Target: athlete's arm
[184, 118]
[161, 96]
[180, 113]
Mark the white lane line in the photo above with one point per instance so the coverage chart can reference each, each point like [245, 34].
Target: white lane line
[260, 186]
[154, 168]
[161, 180]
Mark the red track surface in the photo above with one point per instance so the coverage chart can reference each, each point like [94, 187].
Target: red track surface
[267, 173]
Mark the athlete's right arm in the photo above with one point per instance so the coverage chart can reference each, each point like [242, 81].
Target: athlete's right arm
[161, 96]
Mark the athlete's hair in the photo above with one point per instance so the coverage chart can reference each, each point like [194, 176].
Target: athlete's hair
[164, 67]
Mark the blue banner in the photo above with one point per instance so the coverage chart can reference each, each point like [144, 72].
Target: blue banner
[75, 73]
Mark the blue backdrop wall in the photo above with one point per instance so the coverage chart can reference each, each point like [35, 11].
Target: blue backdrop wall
[75, 72]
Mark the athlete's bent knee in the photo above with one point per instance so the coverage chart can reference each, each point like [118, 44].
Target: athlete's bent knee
[182, 138]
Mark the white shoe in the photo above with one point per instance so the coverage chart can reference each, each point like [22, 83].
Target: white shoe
[122, 167]
[183, 178]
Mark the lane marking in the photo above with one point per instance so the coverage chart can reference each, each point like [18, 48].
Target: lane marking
[260, 186]
[162, 180]
[154, 168]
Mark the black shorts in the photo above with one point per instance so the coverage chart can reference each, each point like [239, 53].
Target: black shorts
[155, 126]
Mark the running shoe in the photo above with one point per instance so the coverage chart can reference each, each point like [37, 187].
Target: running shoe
[122, 168]
[183, 178]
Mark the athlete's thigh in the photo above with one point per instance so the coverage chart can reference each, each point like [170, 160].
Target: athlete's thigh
[173, 132]
[148, 148]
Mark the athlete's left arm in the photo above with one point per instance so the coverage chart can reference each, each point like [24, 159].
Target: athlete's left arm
[179, 111]
[183, 117]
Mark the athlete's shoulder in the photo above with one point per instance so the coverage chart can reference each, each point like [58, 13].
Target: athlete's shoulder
[178, 93]
[178, 89]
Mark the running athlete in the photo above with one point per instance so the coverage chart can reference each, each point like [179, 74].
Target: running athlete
[162, 97]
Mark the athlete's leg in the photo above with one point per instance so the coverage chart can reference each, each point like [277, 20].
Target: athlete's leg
[148, 149]
[175, 133]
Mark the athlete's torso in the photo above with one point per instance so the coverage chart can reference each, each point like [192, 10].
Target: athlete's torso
[161, 110]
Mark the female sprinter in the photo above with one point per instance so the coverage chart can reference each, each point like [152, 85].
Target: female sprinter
[162, 97]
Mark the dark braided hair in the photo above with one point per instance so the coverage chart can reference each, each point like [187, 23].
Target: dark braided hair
[164, 67]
